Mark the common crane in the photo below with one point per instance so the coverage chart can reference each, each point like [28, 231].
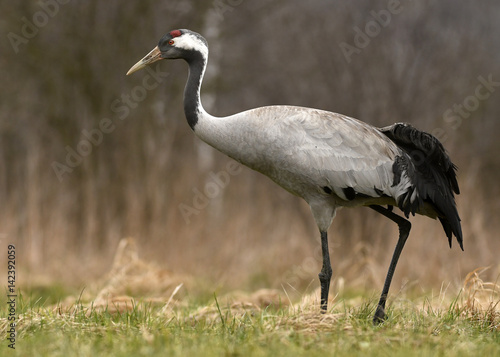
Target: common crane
[328, 159]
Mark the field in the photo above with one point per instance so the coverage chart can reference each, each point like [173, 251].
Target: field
[132, 236]
[180, 317]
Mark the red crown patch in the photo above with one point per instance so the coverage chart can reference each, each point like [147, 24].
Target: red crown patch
[175, 33]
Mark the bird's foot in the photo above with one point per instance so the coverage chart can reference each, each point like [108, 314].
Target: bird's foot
[379, 316]
[324, 279]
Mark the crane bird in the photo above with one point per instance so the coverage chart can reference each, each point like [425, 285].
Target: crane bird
[328, 159]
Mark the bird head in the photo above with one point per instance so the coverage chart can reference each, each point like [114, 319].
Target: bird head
[175, 44]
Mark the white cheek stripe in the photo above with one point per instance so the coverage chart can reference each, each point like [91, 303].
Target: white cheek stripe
[188, 41]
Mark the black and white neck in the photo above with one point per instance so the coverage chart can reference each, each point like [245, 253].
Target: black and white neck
[193, 49]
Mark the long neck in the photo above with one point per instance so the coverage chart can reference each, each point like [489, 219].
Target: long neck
[192, 102]
[212, 130]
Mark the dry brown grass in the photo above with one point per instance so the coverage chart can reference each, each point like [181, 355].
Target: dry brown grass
[129, 280]
[482, 299]
[122, 292]
[135, 284]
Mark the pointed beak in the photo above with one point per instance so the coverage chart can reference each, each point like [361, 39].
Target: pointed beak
[153, 56]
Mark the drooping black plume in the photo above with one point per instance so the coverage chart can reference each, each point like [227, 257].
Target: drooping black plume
[432, 174]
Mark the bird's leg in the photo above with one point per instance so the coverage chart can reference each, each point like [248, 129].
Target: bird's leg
[326, 272]
[404, 230]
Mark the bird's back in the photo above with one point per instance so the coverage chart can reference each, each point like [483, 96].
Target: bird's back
[311, 153]
[341, 161]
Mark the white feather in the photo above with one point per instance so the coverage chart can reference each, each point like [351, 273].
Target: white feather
[189, 41]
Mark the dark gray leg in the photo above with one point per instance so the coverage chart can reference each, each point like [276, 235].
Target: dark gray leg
[404, 230]
[326, 272]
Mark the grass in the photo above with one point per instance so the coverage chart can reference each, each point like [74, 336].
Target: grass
[142, 309]
[242, 328]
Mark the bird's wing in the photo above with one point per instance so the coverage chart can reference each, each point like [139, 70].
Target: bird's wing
[329, 150]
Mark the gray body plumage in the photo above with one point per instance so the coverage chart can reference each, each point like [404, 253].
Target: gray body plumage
[313, 154]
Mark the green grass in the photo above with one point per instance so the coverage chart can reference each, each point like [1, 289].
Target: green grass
[195, 329]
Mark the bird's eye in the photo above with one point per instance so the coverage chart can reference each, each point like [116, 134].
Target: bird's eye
[171, 42]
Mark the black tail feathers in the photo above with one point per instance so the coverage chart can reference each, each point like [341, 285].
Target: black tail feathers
[433, 176]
